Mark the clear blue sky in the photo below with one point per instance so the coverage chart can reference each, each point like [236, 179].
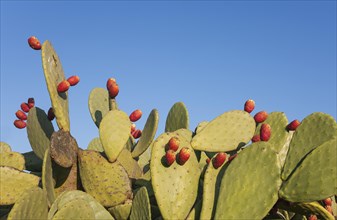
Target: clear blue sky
[211, 55]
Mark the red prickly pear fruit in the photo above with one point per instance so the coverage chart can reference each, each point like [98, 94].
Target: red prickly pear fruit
[249, 105]
[34, 43]
[260, 116]
[31, 103]
[73, 80]
[256, 138]
[135, 115]
[110, 82]
[173, 144]
[328, 201]
[232, 157]
[133, 127]
[184, 155]
[218, 160]
[20, 124]
[265, 132]
[21, 115]
[208, 160]
[24, 107]
[312, 217]
[329, 208]
[170, 157]
[293, 125]
[63, 86]
[51, 114]
[136, 134]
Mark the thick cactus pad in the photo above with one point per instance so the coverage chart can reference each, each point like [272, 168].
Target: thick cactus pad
[121, 212]
[141, 208]
[98, 104]
[129, 164]
[32, 204]
[12, 159]
[148, 134]
[95, 144]
[225, 133]
[39, 131]
[175, 187]
[75, 209]
[107, 182]
[48, 182]
[14, 182]
[4, 147]
[314, 130]
[177, 118]
[32, 162]
[54, 74]
[315, 178]
[114, 132]
[241, 196]
[278, 123]
[99, 211]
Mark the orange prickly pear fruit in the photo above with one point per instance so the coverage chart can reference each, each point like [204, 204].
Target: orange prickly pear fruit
[136, 134]
[265, 132]
[249, 105]
[133, 127]
[51, 114]
[20, 124]
[184, 155]
[293, 125]
[24, 107]
[170, 157]
[256, 138]
[173, 144]
[63, 86]
[110, 82]
[34, 43]
[260, 116]
[218, 160]
[21, 115]
[31, 103]
[135, 115]
[73, 80]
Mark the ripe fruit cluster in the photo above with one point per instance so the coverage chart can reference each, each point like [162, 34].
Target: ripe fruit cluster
[171, 149]
[112, 87]
[65, 84]
[135, 116]
[21, 114]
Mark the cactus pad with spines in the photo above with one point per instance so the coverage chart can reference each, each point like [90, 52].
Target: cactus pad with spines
[282, 154]
[141, 208]
[175, 187]
[315, 178]
[95, 144]
[4, 147]
[107, 182]
[75, 209]
[200, 126]
[32, 162]
[54, 74]
[278, 123]
[12, 159]
[48, 182]
[14, 182]
[114, 132]
[39, 131]
[238, 185]
[129, 164]
[177, 118]
[32, 204]
[98, 104]
[121, 212]
[226, 132]
[148, 134]
[313, 131]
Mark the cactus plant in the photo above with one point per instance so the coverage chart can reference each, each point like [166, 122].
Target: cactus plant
[214, 172]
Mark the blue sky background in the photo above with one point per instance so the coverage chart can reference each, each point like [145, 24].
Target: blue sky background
[211, 55]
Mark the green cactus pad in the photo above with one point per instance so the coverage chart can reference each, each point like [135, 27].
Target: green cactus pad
[282, 154]
[107, 182]
[48, 182]
[39, 131]
[12, 159]
[4, 147]
[14, 182]
[98, 104]
[148, 134]
[176, 186]
[114, 132]
[185, 133]
[211, 188]
[278, 123]
[239, 186]
[177, 118]
[95, 144]
[226, 132]
[54, 74]
[32, 204]
[32, 162]
[99, 211]
[141, 208]
[75, 209]
[144, 159]
[63, 148]
[121, 212]
[200, 126]
[129, 164]
[314, 130]
[315, 178]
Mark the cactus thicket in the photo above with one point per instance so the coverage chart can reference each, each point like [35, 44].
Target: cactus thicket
[121, 175]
